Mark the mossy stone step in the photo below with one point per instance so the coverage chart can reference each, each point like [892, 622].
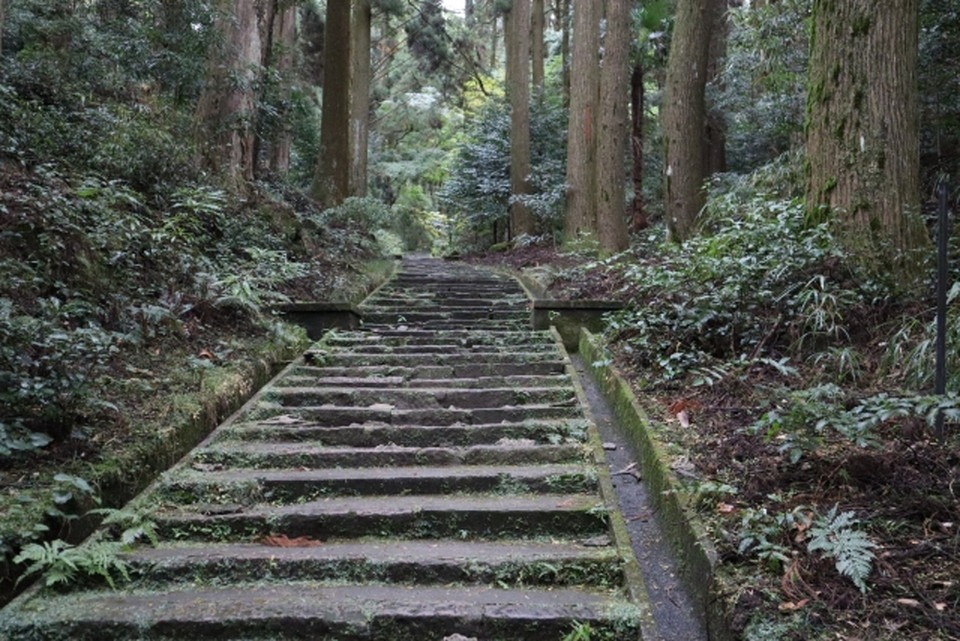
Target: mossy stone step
[519, 381]
[287, 486]
[349, 359]
[512, 563]
[374, 434]
[307, 611]
[337, 416]
[259, 455]
[361, 348]
[422, 397]
[414, 517]
[470, 336]
[473, 369]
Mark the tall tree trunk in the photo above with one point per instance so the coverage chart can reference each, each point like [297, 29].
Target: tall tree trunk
[863, 128]
[537, 27]
[612, 134]
[494, 41]
[227, 109]
[517, 38]
[565, 49]
[581, 214]
[638, 218]
[684, 116]
[360, 41]
[279, 34]
[716, 155]
[332, 183]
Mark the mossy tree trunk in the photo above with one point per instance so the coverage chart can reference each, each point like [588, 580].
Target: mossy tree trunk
[684, 116]
[613, 129]
[280, 37]
[563, 17]
[538, 19]
[638, 217]
[863, 128]
[517, 39]
[360, 42]
[581, 215]
[716, 152]
[332, 181]
[227, 109]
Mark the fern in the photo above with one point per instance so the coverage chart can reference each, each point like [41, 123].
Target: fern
[61, 563]
[134, 525]
[834, 535]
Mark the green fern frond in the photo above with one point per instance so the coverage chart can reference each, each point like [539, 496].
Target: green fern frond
[835, 537]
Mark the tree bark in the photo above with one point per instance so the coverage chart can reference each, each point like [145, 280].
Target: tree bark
[863, 128]
[227, 109]
[360, 42]
[564, 18]
[517, 38]
[613, 129]
[684, 117]
[537, 28]
[332, 183]
[638, 218]
[280, 41]
[581, 214]
[716, 154]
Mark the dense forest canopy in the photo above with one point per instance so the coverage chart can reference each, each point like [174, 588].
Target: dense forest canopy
[755, 180]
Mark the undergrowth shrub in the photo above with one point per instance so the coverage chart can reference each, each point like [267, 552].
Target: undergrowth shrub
[478, 188]
[761, 283]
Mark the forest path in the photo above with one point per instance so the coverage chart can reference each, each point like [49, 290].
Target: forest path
[432, 476]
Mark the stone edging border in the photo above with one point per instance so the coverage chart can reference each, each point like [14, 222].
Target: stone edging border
[696, 552]
[618, 526]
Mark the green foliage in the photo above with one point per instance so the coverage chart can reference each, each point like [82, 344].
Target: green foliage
[910, 356]
[766, 535]
[478, 188]
[762, 87]
[762, 282]
[834, 536]
[60, 563]
[803, 418]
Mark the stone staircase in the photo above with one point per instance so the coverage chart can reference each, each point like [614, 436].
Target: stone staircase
[432, 476]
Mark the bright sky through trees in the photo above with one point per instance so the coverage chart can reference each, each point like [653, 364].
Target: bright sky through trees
[453, 5]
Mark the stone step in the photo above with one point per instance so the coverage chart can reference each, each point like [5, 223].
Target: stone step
[467, 315]
[432, 300]
[347, 359]
[374, 434]
[302, 455]
[520, 381]
[444, 324]
[471, 370]
[512, 563]
[473, 340]
[422, 397]
[450, 348]
[287, 486]
[486, 517]
[337, 416]
[308, 611]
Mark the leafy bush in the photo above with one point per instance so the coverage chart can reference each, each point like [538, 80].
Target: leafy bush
[763, 283]
[478, 188]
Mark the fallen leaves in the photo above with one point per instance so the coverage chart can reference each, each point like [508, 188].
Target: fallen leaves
[283, 541]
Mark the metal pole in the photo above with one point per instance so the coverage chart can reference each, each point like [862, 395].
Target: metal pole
[943, 231]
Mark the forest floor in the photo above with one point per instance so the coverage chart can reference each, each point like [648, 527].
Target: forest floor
[902, 486]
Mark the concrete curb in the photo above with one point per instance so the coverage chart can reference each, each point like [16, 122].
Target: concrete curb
[698, 556]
